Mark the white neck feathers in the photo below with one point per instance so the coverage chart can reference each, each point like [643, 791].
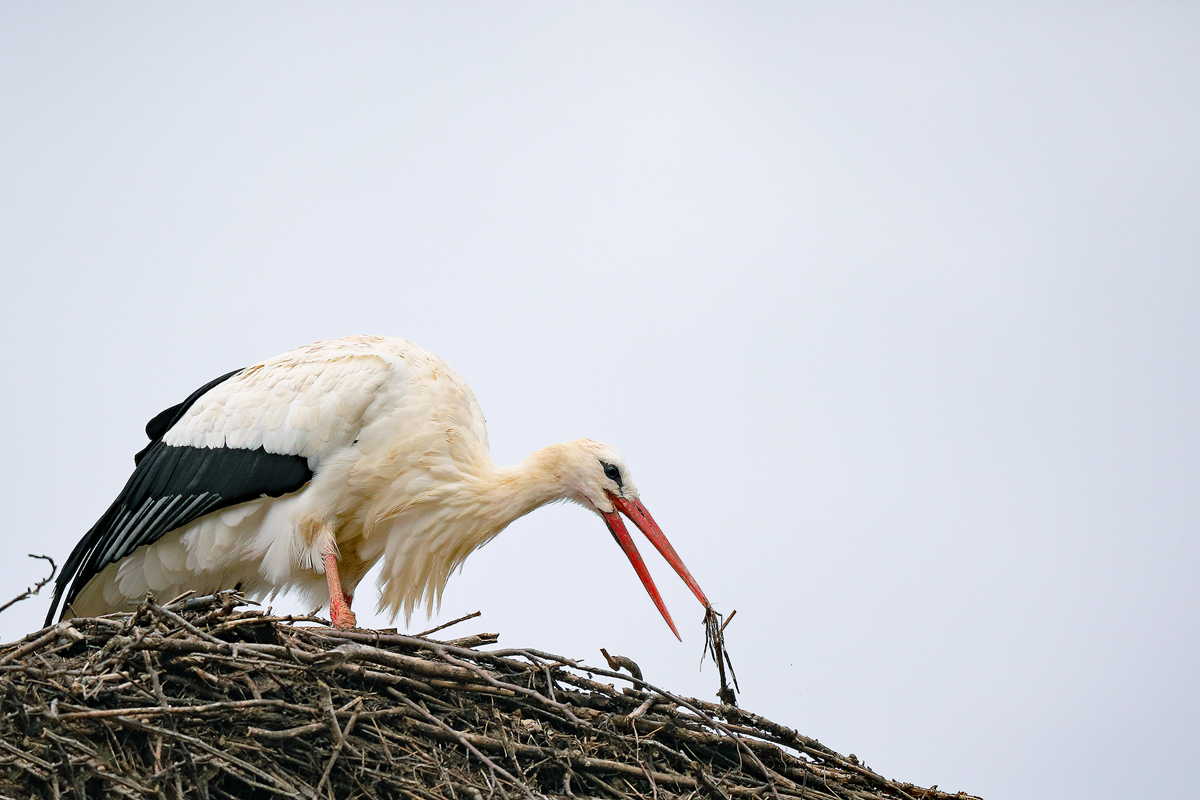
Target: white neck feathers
[430, 536]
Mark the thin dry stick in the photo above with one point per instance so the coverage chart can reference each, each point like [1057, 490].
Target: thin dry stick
[616, 662]
[443, 627]
[714, 643]
[32, 590]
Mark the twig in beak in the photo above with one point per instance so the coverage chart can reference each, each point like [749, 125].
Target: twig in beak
[714, 642]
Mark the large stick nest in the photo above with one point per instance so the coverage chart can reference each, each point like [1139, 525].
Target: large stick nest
[211, 698]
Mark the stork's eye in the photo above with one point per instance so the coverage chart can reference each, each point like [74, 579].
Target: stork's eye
[612, 473]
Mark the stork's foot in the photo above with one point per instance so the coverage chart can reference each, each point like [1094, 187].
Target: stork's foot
[341, 615]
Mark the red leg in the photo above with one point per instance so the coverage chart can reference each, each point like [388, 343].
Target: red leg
[339, 602]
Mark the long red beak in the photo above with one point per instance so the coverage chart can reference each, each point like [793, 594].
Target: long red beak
[646, 524]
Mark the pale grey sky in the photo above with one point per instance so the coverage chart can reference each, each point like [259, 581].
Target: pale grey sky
[893, 311]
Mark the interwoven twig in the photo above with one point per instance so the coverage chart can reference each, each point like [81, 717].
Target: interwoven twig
[210, 698]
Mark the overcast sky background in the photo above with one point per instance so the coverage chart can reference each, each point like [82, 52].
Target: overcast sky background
[894, 311]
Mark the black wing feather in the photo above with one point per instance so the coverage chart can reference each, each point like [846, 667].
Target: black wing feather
[162, 422]
[170, 487]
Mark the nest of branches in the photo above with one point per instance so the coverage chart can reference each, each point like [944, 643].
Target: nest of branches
[213, 698]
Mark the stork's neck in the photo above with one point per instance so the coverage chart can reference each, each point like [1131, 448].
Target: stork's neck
[430, 538]
[512, 492]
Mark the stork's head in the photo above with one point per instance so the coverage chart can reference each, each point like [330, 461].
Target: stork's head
[595, 476]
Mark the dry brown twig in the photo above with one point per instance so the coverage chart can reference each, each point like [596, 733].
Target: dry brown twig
[207, 697]
[714, 644]
[615, 663]
[445, 625]
[33, 590]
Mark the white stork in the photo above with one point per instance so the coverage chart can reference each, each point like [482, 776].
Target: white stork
[305, 470]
